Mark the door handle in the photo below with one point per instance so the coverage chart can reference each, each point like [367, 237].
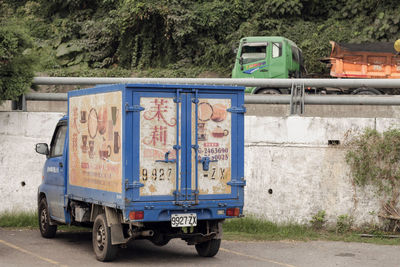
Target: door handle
[60, 164]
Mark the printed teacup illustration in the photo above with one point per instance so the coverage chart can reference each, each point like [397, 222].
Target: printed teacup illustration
[91, 149]
[102, 120]
[218, 132]
[84, 146]
[83, 116]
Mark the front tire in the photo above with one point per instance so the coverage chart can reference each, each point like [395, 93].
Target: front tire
[209, 248]
[101, 240]
[46, 230]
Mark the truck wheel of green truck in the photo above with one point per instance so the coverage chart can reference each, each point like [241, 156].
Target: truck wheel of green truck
[209, 248]
[267, 91]
[366, 91]
[46, 230]
[101, 239]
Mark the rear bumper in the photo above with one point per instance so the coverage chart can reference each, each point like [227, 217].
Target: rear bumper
[161, 213]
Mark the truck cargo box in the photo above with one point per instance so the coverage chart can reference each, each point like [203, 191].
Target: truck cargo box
[372, 60]
[157, 148]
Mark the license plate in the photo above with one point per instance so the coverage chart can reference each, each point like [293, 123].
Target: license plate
[183, 220]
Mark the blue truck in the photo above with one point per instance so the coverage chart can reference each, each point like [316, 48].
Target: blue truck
[145, 161]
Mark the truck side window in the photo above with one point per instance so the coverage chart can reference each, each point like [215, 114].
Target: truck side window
[57, 145]
[253, 52]
[276, 50]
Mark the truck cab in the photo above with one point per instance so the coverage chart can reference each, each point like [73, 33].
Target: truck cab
[267, 57]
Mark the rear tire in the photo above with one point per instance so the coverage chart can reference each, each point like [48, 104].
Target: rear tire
[101, 239]
[209, 248]
[159, 239]
[46, 230]
[268, 92]
[366, 91]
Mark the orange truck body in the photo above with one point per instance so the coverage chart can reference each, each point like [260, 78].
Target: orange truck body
[374, 60]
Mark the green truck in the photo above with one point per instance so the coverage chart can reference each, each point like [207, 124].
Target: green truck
[268, 57]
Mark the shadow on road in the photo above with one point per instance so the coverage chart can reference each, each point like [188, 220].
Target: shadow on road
[138, 251]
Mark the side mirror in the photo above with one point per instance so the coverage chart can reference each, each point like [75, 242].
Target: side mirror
[42, 148]
[241, 61]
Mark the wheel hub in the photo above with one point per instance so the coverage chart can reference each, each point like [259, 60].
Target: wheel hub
[43, 219]
[101, 237]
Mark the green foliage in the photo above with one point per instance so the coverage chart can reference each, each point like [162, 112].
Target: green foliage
[344, 223]
[16, 63]
[142, 34]
[19, 219]
[254, 226]
[318, 220]
[374, 159]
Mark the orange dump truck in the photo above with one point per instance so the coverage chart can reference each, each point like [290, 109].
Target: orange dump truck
[366, 61]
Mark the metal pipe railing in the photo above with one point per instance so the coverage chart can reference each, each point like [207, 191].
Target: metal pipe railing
[268, 83]
[271, 99]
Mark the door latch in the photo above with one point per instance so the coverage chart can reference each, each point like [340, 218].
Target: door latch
[166, 160]
[206, 163]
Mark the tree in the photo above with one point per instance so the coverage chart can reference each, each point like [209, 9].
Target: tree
[16, 64]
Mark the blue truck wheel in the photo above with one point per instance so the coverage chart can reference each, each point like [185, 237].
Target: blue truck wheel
[46, 230]
[209, 248]
[101, 239]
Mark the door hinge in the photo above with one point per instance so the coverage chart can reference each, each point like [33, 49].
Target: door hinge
[241, 109]
[133, 185]
[239, 183]
[134, 108]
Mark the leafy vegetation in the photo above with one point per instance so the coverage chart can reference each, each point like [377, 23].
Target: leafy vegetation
[248, 228]
[374, 159]
[16, 63]
[141, 37]
[318, 220]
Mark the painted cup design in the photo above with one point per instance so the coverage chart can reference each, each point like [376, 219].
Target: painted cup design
[91, 149]
[84, 146]
[105, 153]
[201, 131]
[114, 115]
[102, 120]
[116, 142]
[218, 132]
[83, 116]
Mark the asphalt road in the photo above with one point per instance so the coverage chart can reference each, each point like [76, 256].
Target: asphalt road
[28, 248]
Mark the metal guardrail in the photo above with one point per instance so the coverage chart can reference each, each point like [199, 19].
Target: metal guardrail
[249, 99]
[271, 99]
[270, 83]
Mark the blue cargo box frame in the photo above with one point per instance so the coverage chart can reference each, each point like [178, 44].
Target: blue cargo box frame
[185, 132]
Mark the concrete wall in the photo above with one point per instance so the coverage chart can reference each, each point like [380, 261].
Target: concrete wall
[20, 166]
[290, 169]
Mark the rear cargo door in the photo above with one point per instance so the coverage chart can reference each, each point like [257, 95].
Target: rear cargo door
[157, 147]
[183, 146]
[214, 150]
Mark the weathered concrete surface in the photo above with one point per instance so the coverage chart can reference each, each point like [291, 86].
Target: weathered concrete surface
[289, 155]
[292, 172]
[20, 166]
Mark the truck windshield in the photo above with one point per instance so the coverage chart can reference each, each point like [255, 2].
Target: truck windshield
[252, 52]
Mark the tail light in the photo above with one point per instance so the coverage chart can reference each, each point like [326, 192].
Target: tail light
[136, 215]
[233, 212]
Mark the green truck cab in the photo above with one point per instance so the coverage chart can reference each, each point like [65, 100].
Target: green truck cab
[268, 57]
